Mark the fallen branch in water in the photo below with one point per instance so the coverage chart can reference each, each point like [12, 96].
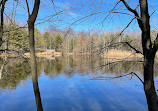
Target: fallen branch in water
[109, 78]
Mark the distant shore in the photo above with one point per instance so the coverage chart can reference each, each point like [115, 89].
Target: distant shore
[27, 55]
[111, 54]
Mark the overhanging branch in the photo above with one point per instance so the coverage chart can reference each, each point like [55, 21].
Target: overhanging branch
[28, 9]
[130, 9]
[109, 78]
[127, 43]
[137, 51]
[134, 12]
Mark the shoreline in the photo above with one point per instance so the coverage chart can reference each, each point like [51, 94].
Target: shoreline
[111, 54]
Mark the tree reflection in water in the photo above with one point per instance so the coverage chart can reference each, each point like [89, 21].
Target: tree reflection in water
[69, 66]
[37, 92]
[35, 82]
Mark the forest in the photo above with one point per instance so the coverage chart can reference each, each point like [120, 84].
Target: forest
[66, 51]
[68, 41]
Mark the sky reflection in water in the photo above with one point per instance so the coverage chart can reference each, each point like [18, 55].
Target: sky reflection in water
[66, 85]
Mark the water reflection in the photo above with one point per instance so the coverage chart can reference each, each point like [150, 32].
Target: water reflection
[65, 83]
[15, 71]
[86, 66]
[37, 92]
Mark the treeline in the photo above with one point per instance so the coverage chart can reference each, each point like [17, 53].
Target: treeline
[69, 41]
[69, 66]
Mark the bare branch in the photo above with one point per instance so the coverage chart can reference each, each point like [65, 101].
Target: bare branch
[28, 9]
[127, 43]
[109, 78]
[119, 61]
[120, 33]
[137, 51]
[48, 18]
[134, 12]
[111, 42]
[130, 9]
[34, 13]
[2, 1]
[153, 12]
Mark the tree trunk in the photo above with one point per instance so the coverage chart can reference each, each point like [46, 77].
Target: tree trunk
[34, 68]
[1, 70]
[149, 52]
[2, 21]
[31, 21]
[149, 86]
[149, 56]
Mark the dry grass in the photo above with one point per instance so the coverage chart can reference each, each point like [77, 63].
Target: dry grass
[39, 54]
[74, 53]
[157, 55]
[45, 54]
[8, 55]
[111, 54]
[118, 54]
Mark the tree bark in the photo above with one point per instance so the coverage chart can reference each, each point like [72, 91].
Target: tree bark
[31, 21]
[149, 52]
[2, 4]
[149, 86]
[34, 67]
[149, 57]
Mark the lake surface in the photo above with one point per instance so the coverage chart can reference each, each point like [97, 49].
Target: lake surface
[73, 84]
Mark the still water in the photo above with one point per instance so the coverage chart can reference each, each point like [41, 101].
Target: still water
[73, 84]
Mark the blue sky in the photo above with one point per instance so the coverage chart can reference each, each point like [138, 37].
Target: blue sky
[74, 10]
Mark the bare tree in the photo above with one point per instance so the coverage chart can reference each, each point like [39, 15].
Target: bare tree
[31, 21]
[2, 6]
[149, 52]
[149, 48]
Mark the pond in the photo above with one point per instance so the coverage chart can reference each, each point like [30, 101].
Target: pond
[82, 83]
